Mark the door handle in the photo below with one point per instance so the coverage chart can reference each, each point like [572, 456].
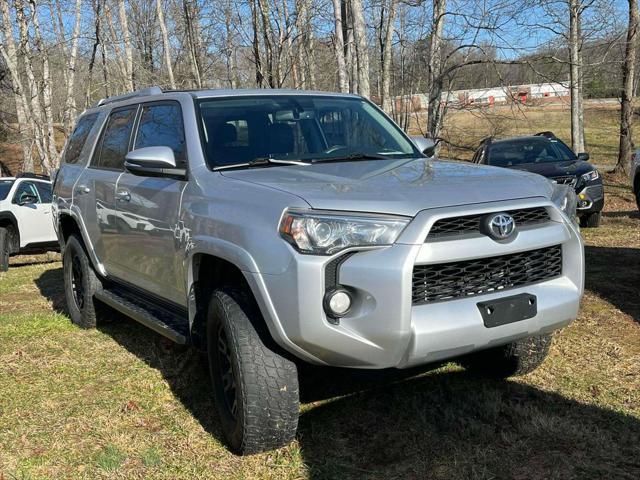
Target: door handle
[80, 189]
[123, 196]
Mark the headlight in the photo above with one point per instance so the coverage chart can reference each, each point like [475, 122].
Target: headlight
[565, 198]
[589, 176]
[327, 233]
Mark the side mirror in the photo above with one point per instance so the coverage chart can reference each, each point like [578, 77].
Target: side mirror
[153, 162]
[584, 156]
[425, 145]
[27, 199]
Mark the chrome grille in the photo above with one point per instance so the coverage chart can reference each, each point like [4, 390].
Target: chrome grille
[469, 224]
[448, 281]
[569, 180]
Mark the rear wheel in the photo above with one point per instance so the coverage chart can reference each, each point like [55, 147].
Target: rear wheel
[511, 360]
[5, 245]
[591, 220]
[80, 283]
[256, 389]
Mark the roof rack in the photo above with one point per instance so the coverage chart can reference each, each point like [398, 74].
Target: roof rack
[126, 96]
[32, 175]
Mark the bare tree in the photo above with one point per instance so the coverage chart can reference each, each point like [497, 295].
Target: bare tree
[128, 52]
[628, 76]
[339, 46]
[575, 77]
[362, 48]
[166, 46]
[386, 52]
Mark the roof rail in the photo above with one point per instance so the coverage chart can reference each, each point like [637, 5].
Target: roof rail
[126, 96]
[32, 175]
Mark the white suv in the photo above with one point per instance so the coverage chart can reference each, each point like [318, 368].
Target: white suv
[25, 217]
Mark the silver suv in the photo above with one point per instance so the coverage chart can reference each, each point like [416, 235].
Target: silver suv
[270, 228]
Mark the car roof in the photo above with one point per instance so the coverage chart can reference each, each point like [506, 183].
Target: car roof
[519, 139]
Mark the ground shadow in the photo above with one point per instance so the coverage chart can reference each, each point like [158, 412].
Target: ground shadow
[614, 274]
[52, 288]
[622, 214]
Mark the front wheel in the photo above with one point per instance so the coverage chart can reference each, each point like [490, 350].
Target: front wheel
[256, 389]
[591, 220]
[511, 360]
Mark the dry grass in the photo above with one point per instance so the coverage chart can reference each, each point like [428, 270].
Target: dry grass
[121, 402]
[468, 127]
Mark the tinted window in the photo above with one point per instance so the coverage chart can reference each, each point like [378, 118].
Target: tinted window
[527, 150]
[44, 189]
[5, 187]
[115, 139]
[161, 125]
[25, 188]
[78, 137]
[297, 127]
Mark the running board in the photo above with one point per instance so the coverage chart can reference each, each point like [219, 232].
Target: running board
[166, 323]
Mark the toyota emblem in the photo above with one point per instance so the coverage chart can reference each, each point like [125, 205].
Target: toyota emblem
[500, 226]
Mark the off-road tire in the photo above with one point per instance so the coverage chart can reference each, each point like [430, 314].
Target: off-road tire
[590, 221]
[512, 360]
[5, 248]
[78, 273]
[263, 383]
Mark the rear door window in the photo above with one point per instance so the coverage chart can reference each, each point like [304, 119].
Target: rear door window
[78, 138]
[25, 188]
[161, 125]
[114, 143]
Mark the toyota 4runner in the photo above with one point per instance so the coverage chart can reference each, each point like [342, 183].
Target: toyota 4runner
[275, 227]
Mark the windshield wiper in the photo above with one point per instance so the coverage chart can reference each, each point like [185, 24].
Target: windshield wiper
[353, 156]
[262, 161]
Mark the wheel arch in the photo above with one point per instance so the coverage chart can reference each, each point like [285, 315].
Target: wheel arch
[8, 219]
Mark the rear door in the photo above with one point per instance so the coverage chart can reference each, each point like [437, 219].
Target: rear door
[148, 210]
[44, 192]
[94, 192]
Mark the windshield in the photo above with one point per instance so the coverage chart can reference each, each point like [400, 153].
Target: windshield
[297, 127]
[5, 186]
[528, 150]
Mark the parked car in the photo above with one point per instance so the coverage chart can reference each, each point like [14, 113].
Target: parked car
[547, 155]
[26, 224]
[635, 176]
[287, 227]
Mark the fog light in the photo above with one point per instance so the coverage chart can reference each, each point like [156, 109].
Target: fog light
[337, 302]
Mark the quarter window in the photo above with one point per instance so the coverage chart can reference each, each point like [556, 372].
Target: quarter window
[78, 138]
[161, 125]
[115, 140]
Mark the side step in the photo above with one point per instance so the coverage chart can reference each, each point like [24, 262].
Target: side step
[161, 320]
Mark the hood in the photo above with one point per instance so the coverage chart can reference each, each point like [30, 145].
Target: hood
[401, 187]
[556, 169]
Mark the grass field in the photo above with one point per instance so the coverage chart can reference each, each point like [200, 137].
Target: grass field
[467, 128]
[121, 402]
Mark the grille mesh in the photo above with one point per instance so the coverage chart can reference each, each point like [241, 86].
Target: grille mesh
[448, 281]
[471, 223]
[570, 180]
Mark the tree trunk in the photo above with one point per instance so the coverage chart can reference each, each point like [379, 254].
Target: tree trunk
[50, 161]
[232, 66]
[575, 73]
[166, 46]
[434, 112]
[362, 52]
[386, 54]
[97, 7]
[10, 55]
[626, 103]
[128, 51]
[267, 38]
[338, 44]
[191, 41]
[70, 111]
[256, 43]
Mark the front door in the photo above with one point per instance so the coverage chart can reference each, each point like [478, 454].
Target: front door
[149, 237]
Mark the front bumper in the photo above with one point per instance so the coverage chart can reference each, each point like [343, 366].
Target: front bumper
[590, 199]
[384, 329]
